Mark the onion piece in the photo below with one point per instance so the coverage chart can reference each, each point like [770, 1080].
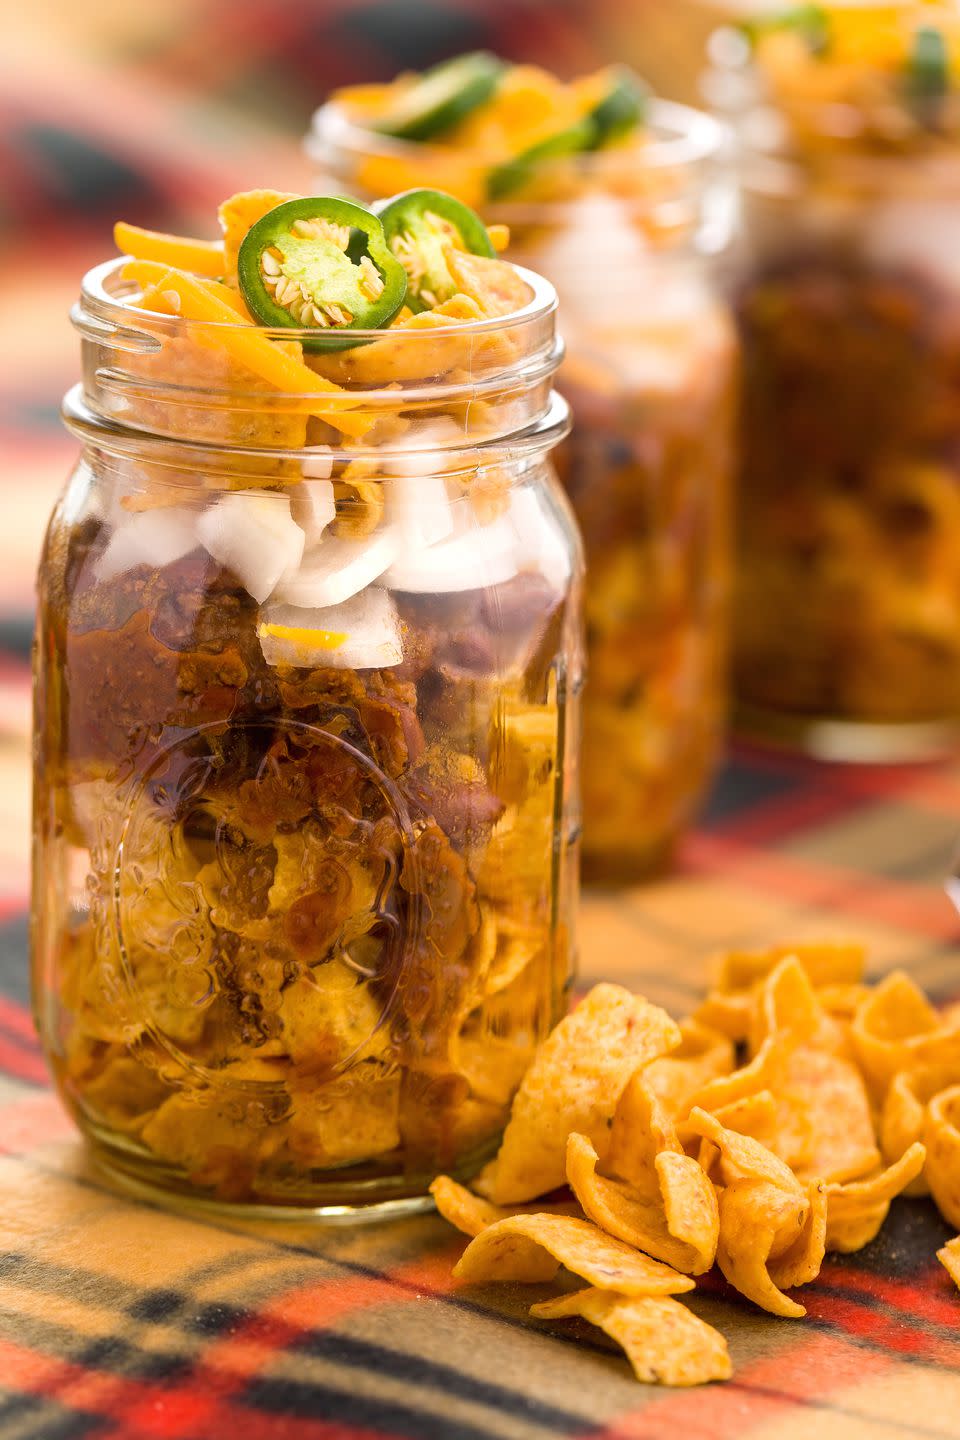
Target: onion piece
[420, 508]
[524, 538]
[313, 506]
[254, 535]
[338, 568]
[149, 537]
[361, 634]
[475, 559]
[541, 546]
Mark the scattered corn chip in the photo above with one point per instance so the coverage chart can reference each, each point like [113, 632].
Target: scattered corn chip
[731, 1006]
[896, 1028]
[754, 1115]
[574, 1084]
[949, 1257]
[531, 1248]
[468, 1212]
[942, 1137]
[758, 1221]
[664, 1341]
[677, 1222]
[471, 1214]
[826, 963]
[766, 1071]
[842, 1000]
[729, 1014]
[683, 1158]
[903, 1119]
[690, 1205]
[802, 1262]
[702, 1055]
[787, 1004]
[742, 1157]
[902, 1122]
[831, 1091]
[855, 1212]
[640, 1130]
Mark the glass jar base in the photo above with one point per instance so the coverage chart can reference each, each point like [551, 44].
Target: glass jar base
[368, 1201]
[849, 742]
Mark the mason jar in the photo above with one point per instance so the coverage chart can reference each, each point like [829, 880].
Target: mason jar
[306, 807]
[847, 611]
[634, 240]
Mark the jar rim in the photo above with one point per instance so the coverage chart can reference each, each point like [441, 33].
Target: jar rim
[101, 432]
[106, 309]
[684, 138]
[128, 384]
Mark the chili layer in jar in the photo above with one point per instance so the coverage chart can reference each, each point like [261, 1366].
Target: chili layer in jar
[307, 671]
[848, 603]
[619, 200]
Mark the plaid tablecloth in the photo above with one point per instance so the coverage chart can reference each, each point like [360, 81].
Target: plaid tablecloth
[119, 1321]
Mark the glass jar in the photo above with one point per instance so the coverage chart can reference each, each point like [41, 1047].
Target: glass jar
[633, 244]
[306, 808]
[847, 610]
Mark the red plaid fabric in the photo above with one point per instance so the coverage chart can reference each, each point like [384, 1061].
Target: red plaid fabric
[122, 1322]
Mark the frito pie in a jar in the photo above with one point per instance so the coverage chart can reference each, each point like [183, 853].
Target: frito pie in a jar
[847, 631]
[621, 201]
[307, 674]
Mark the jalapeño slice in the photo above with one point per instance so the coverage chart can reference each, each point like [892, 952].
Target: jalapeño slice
[928, 72]
[440, 98]
[513, 174]
[811, 22]
[421, 228]
[622, 108]
[321, 264]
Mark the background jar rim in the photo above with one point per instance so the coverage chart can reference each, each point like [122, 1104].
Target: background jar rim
[684, 138]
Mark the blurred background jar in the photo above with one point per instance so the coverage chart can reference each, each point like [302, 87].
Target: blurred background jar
[305, 800]
[847, 613]
[633, 238]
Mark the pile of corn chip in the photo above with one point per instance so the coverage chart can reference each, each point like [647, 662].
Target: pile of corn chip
[775, 1124]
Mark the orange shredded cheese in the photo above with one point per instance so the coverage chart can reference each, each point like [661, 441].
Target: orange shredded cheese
[202, 257]
[202, 301]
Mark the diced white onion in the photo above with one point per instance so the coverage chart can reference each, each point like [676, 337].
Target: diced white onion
[541, 545]
[361, 634]
[524, 538]
[149, 537]
[420, 508]
[479, 557]
[255, 536]
[313, 506]
[318, 464]
[338, 568]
